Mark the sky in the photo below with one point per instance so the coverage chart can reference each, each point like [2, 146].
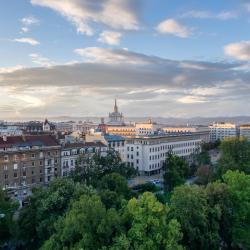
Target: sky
[168, 58]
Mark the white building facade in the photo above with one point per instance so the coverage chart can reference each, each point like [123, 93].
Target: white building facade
[71, 152]
[220, 131]
[147, 154]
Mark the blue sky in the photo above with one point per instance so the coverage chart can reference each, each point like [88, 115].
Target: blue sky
[73, 57]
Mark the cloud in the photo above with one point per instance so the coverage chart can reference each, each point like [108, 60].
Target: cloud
[172, 27]
[28, 40]
[239, 51]
[10, 69]
[144, 84]
[110, 37]
[30, 20]
[40, 60]
[117, 14]
[110, 56]
[201, 14]
[24, 30]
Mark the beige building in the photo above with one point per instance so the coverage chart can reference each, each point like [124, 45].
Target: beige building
[27, 161]
[121, 130]
[245, 131]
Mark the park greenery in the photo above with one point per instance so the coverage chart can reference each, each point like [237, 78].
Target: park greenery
[95, 209]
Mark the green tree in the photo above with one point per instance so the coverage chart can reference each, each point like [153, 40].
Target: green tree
[87, 225]
[7, 209]
[204, 175]
[113, 189]
[91, 168]
[176, 171]
[238, 184]
[36, 220]
[199, 222]
[218, 196]
[235, 155]
[148, 226]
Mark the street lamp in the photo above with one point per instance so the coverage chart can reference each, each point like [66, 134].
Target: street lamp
[2, 216]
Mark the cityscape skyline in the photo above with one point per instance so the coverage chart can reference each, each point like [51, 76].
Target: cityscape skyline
[164, 59]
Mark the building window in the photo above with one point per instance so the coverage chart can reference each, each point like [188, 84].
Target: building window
[5, 167]
[15, 175]
[15, 166]
[33, 156]
[6, 158]
[33, 163]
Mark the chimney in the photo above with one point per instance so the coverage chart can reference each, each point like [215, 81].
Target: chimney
[5, 138]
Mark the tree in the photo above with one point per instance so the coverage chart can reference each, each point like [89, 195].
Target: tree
[112, 163]
[7, 209]
[218, 196]
[91, 168]
[148, 226]
[204, 174]
[176, 171]
[113, 189]
[199, 222]
[36, 220]
[235, 155]
[238, 184]
[87, 225]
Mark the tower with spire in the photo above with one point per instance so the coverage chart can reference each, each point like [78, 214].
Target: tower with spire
[116, 118]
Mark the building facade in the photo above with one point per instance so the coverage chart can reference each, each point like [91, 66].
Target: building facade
[71, 152]
[245, 131]
[27, 161]
[116, 118]
[220, 131]
[148, 153]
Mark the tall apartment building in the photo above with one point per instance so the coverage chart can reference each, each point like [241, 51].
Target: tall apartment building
[148, 153]
[71, 152]
[245, 131]
[220, 131]
[27, 161]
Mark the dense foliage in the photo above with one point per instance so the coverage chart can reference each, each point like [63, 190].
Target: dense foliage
[95, 209]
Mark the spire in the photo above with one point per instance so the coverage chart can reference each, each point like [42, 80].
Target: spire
[115, 107]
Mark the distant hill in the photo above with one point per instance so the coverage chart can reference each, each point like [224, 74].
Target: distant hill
[161, 120]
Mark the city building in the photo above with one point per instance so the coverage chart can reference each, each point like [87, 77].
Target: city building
[117, 143]
[146, 128]
[245, 131]
[34, 127]
[48, 126]
[148, 153]
[121, 130]
[27, 161]
[116, 118]
[71, 152]
[84, 127]
[10, 130]
[220, 131]
[202, 131]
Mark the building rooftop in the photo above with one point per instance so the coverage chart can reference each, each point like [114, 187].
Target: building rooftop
[114, 137]
[84, 145]
[27, 141]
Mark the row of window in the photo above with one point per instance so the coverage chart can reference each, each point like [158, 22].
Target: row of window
[17, 157]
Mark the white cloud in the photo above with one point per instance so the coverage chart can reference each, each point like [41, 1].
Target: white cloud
[118, 14]
[224, 15]
[240, 50]
[110, 37]
[30, 20]
[109, 56]
[40, 60]
[24, 30]
[172, 27]
[28, 40]
[143, 83]
[192, 99]
[10, 69]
